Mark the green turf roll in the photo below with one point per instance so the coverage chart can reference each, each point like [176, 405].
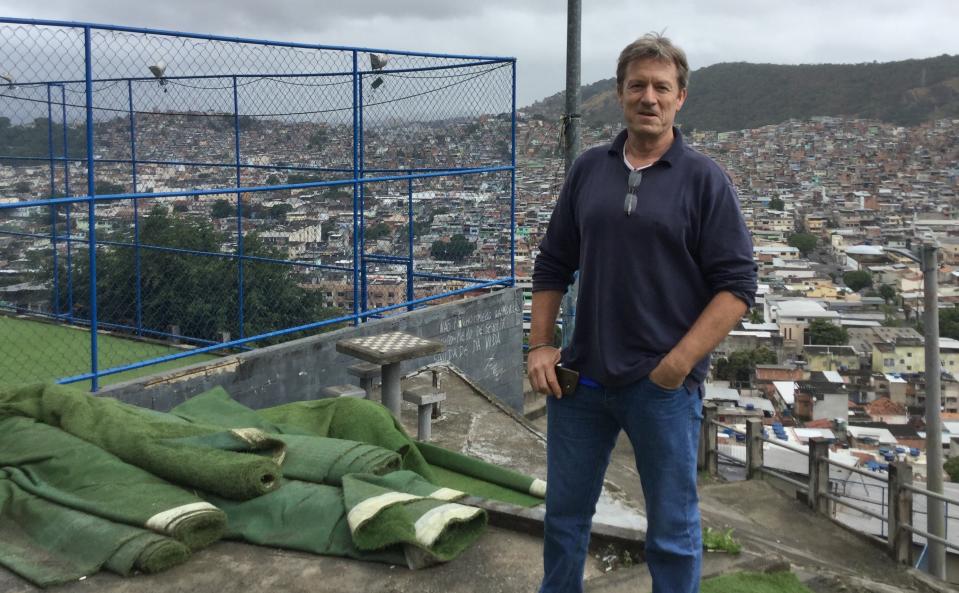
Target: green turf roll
[488, 472]
[71, 472]
[161, 555]
[397, 509]
[149, 440]
[146, 552]
[49, 544]
[352, 419]
[196, 526]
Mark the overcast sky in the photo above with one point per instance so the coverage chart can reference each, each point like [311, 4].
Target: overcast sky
[534, 31]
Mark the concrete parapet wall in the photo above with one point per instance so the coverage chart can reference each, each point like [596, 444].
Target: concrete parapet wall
[483, 337]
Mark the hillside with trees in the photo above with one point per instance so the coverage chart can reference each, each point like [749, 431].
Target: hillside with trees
[734, 96]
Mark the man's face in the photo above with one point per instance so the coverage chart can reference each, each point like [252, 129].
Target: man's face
[650, 97]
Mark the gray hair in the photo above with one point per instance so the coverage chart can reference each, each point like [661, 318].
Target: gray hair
[652, 46]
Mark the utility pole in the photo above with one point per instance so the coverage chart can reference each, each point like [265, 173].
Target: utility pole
[570, 131]
[574, 17]
[935, 507]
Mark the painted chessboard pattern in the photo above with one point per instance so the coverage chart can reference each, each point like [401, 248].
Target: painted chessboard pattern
[389, 347]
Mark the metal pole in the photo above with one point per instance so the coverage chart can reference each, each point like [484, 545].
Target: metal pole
[239, 210]
[409, 237]
[364, 289]
[356, 194]
[53, 208]
[67, 194]
[571, 119]
[930, 274]
[574, 14]
[91, 210]
[136, 211]
[512, 185]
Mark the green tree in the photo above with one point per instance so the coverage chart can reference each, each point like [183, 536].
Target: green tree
[804, 242]
[456, 249]
[222, 209]
[279, 211]
[103, 187]
[377, 231]
[949, 323]
[776, 204]
[199, 294]
[887, 293]
[856, 280]
[318, 138]
[952, 468]
[737, 368]
[822, 332]
[890, 319]
[756, 315]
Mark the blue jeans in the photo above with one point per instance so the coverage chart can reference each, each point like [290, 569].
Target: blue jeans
[663, 427]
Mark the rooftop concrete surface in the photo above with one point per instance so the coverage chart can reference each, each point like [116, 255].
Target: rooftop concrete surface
[776, 532]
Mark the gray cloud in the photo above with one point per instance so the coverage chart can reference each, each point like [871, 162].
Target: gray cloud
[534, 31]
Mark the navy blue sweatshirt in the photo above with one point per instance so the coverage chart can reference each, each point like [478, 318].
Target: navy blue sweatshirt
[645, 278]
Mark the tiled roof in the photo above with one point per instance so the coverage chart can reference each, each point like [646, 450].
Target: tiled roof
[885, 407]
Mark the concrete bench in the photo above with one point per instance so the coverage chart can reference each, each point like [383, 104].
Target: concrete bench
[343, 391]
[368, 373]
[424, 397]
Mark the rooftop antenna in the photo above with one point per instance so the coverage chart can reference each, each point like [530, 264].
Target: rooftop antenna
[158, 70]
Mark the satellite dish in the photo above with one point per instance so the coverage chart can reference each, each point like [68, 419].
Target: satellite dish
[377, 62]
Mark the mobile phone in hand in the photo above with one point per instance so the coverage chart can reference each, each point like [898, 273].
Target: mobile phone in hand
[568, 379]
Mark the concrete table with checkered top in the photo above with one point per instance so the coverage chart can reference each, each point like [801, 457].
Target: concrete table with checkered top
[389, 350]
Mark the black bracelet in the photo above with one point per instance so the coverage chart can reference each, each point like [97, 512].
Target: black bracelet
[538, 346]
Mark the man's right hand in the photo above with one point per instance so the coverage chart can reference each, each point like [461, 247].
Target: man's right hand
[541, 368]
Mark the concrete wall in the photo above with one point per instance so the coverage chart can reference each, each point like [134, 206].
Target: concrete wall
[483, 337]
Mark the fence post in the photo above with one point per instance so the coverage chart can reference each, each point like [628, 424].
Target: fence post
[707, 459]
[91, 213]
[900, 512]
[356, 191]
[818, 474]
[240, 298]
[754, 447]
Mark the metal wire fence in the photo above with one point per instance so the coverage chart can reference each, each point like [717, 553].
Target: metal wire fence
[164, 195]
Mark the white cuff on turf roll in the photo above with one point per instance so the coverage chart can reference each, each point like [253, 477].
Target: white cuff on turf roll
[447, 494]
[538, 488]
[369, 508]
[166, 521]
[432, 523]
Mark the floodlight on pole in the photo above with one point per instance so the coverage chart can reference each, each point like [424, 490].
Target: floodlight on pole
[9, 80]
[158, 70]
[377, 62]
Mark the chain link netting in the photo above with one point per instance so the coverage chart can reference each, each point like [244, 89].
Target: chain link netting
[179, 260]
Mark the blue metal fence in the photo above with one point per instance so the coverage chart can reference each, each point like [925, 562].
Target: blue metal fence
[174, 194]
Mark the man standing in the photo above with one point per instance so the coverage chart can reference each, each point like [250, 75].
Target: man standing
[666, 271]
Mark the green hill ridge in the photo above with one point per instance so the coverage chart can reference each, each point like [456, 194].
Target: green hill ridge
[740, 95]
